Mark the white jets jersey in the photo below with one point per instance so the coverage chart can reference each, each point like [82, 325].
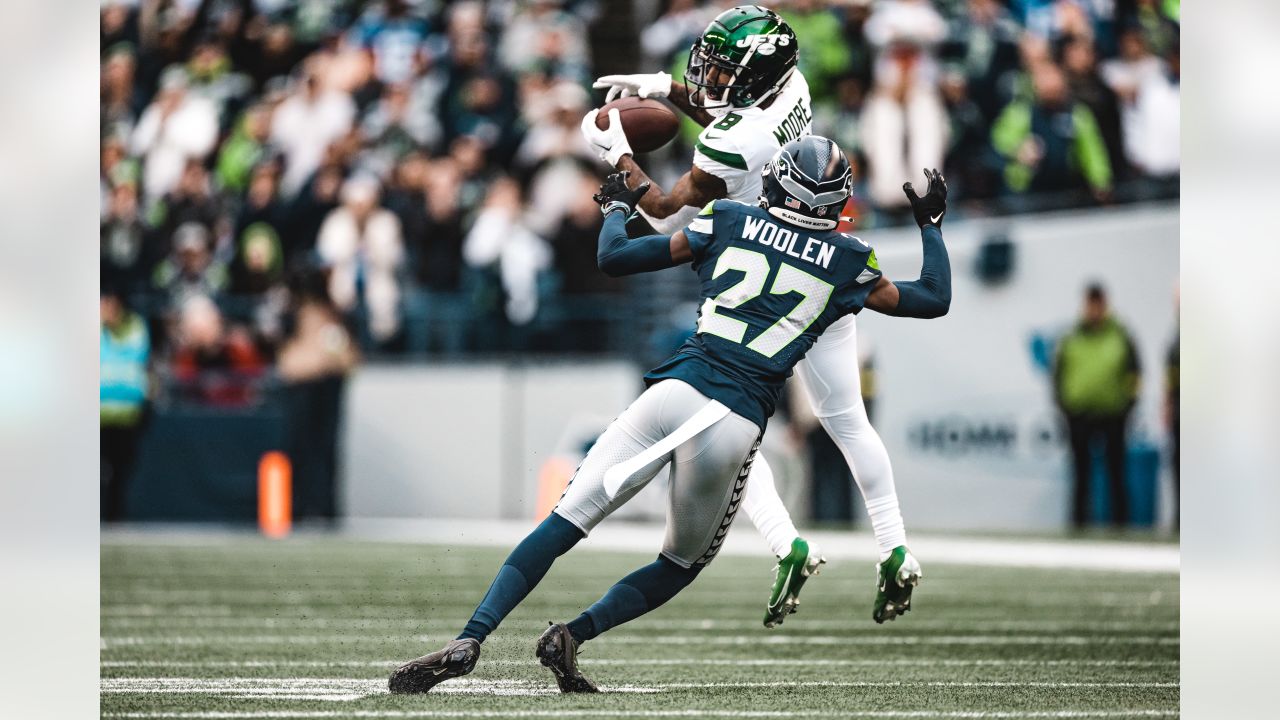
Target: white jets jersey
[737, 145]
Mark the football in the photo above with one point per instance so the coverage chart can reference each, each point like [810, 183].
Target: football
[648, 123]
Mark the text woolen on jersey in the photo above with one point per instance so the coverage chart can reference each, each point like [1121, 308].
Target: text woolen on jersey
[784, 240]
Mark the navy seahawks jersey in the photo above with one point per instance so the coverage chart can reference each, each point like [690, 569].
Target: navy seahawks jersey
[769, 289]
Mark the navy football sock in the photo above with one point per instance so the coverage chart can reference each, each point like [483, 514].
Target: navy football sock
[522, 572]
[636, 594]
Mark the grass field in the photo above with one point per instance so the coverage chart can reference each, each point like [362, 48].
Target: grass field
[310, 628]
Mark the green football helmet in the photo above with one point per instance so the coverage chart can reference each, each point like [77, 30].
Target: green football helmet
[754, 52]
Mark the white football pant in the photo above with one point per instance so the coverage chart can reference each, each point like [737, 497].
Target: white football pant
[830, 375]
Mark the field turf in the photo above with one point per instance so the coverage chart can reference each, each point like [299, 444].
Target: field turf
[239, 627]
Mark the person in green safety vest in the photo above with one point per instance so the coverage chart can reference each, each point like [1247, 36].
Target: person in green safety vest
[1096, 376]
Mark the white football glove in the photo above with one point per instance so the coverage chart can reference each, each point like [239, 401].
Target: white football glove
[611, 143]
[646, 86]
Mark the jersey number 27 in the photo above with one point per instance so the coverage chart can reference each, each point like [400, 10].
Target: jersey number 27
[755, 269]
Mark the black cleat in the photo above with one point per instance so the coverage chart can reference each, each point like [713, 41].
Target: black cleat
[456, 659]
[559, 651]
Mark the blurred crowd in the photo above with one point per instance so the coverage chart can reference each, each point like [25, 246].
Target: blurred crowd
[1026, 104]
[414, 170]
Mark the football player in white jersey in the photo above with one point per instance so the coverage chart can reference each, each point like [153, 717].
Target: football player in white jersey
[741, 84]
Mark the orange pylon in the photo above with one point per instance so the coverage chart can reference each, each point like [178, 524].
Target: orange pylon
[275, 494]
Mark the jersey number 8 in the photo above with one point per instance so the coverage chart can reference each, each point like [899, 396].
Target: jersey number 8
[755, 268]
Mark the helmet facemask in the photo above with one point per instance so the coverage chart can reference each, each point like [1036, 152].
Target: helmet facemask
[703, 91]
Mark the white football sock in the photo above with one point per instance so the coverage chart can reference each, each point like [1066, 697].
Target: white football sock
[765, 508]
[864, 451]
[886, 522]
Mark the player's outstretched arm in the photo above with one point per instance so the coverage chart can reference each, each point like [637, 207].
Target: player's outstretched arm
[652, 85]
[929, 296]
[618, 255]
[694, 189]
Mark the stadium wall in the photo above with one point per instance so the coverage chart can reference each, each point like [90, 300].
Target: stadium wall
[963, 403]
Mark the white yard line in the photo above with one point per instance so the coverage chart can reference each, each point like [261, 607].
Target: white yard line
[109, 642]
[744, 541]
[410, 596]
[588, 662]
[349, 689]
[222, 621]
[850, 715]
[377, 686]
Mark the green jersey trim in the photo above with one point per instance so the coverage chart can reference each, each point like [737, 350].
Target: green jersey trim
[733, 160]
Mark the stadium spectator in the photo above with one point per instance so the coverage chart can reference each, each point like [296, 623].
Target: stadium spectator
[124, 351]
[673, 31]
[117, 23]
[115, 167]
[256, 277]
[175, 128]
[404, 196]
[126, 251]
[120, 100]
[500, 239]
[307, 211]
[391, 130]
[275, 51]
[553, 117]
[542, 36]
[1085, 84]
[190, 270]
[364, 249]
[1096, 374]
[439, 265]
[1152, 120]
[307, 122]
[313, 363]
[553, 154]
[211, 364]
[983, 44]
[244, 148]
[1155, 20]
[574, 241]
[478, 99]
[213, 77]
[826, 56]
[394, 36]
[840, 119]
[1051, 144]
[191, 200]
[904, 124]
[968, 163]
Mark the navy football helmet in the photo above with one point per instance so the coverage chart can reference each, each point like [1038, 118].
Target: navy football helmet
[807, 183]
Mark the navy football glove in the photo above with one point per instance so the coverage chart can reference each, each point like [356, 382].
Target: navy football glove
[930, 208]
[615, 195]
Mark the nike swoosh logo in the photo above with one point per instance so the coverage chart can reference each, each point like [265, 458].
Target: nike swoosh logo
[709, 136]
[936, 217]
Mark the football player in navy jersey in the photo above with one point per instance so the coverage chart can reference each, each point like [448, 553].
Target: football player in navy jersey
[774, 275]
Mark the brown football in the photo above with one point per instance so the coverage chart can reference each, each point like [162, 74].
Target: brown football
[648, 123]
